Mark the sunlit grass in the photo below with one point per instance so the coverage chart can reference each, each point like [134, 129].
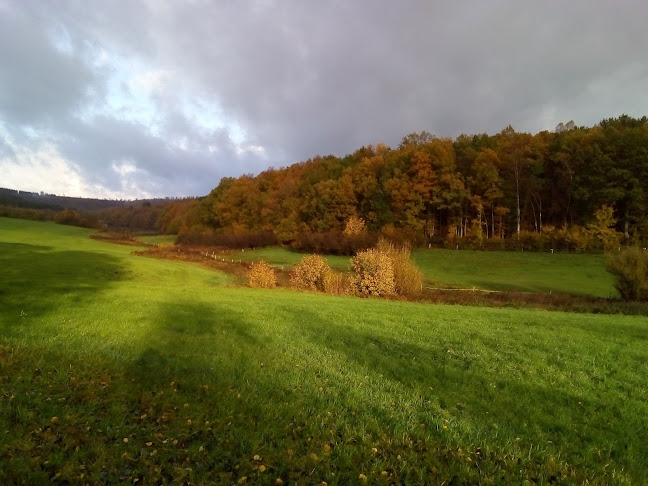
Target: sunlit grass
[286, 258]
[576, 274]
[115, 368]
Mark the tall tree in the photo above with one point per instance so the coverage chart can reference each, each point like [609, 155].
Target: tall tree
[486, 184]
[616, 158]
[513, 149]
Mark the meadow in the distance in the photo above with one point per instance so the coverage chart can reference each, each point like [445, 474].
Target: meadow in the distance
[117, 368]
[574, 274]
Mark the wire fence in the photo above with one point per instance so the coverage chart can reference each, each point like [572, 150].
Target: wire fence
[475, 289]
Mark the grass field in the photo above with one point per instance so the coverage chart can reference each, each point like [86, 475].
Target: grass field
[116, 368]
[157, 239]
[576, 274]
[286, 258]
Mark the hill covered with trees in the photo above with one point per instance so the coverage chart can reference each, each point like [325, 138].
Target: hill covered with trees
[484, 189]
[142, 215]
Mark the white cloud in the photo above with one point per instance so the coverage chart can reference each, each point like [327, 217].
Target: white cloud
[50, 172]
[151, 82]
[251, 149]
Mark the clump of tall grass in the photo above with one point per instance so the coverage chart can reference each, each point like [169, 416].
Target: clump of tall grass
[385, 270]
[630, 269]
[337, 283]
[408, 278]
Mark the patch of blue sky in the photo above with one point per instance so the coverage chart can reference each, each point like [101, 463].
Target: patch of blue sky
[208, 117]
[132, 89]
[119, 100]
[61, 39]
[147, 95]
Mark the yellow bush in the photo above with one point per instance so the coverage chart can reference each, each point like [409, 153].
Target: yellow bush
[337, 283]
[630, 270]
[373, 273]
[354, 226]
[408, 279]
[309, 273]
[262, 275]
[601, 231]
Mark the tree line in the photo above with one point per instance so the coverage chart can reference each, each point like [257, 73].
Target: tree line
[574, 188]
[139, 215]
[477, 188]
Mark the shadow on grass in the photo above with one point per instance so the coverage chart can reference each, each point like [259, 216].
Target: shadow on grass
[36, 279]
[455, 382]
[447, 378]
[195, 339]
[197, 385]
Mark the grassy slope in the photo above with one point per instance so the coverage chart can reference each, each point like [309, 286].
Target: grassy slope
[576, 274]
[199, 378]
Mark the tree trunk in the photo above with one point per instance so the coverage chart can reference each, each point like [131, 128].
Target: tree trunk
[517, 193]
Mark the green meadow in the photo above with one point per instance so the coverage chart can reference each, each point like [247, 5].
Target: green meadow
[116, 368]
[285, 258]
[574, 274]
[157, 239]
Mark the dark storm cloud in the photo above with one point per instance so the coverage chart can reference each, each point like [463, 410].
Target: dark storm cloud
[301, 78]
[315, 77]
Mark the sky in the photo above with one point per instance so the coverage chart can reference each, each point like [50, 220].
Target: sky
[126, 99]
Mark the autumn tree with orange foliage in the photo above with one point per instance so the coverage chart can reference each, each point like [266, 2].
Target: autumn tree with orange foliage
[468, 191]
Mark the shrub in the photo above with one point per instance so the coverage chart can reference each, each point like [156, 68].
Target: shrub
[73, 218]
[402, 236]
[262, 275]
[408, 279]
[373, 273]
[337, 283]
[575, 239]
[531, 240]
[334, 242]
[25, 213]
[309, 273]
[354, 226]
[209, 237]
[67, 216]
[494, 244]
[601, 230]
[630, 269]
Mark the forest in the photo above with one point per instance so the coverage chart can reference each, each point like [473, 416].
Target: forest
[572, 187]
[134, 215]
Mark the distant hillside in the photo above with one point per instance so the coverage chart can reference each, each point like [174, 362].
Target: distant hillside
[35, 200]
